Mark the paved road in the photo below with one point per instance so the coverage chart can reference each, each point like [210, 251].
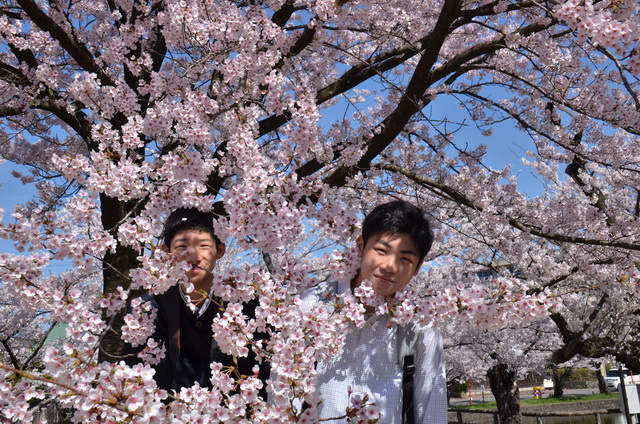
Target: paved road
[525, 393]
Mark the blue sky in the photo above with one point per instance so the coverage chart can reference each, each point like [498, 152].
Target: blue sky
[505, 146]
[13, 192]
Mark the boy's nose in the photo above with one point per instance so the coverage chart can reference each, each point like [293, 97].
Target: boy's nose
[390, 265]
[190, 254]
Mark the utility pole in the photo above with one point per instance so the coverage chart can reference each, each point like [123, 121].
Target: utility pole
[622, 389]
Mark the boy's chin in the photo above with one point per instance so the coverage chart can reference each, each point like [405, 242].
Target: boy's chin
[383, 289]
[200, 281]
[387, 291]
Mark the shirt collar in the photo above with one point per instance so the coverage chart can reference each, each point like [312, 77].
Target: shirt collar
[199, 311]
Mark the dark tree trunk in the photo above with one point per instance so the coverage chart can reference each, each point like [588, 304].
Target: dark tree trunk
[602, 384]
[559, 380]
[115, 274]
[505, 389]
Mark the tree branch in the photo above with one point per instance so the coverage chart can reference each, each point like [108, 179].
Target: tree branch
[410, 103]
[76, 50]
[527, 228]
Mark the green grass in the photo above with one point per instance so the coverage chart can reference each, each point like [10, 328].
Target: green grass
[543, 401]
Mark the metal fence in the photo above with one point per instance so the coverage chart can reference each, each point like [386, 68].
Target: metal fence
[468, 416]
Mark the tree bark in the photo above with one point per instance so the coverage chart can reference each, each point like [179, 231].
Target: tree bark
[117, 265]
[505, 389]
[559, 380]
[602, 384]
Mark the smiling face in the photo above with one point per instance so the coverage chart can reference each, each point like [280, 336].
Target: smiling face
[389, 261]
[198, 248]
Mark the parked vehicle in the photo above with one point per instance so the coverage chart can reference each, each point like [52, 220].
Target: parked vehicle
[547, 383]
[613, 378]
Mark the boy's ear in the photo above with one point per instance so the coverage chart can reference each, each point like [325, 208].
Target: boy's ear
[164, 248]
[360, 244]
[220, 249]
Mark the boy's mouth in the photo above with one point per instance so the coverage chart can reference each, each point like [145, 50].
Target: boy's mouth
[384, 280]
[201, 268]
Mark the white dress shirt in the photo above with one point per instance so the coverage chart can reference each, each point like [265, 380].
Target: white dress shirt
[198, 310]
[369, 365]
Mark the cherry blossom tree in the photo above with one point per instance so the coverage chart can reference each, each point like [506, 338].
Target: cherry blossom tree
[582, 327]
[501, 357]
[501, 354]
[289, 119]
[591, 316]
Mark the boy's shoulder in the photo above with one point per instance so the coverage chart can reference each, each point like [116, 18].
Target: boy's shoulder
[161, 300]
[324, 292]
[327, 289]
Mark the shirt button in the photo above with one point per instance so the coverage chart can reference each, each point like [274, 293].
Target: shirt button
[199, 324]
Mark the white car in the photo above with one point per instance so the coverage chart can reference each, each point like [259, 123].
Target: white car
[613, 378]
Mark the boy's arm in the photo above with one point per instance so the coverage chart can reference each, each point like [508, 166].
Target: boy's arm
[429, 384]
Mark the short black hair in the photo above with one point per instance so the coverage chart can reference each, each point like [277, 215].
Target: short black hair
[190, 219]
[399, 217]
